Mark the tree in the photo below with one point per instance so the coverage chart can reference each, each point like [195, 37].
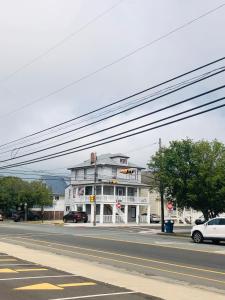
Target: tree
[193, 174]
[15, 192]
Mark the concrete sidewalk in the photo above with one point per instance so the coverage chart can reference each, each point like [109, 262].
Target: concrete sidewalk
[157, 288]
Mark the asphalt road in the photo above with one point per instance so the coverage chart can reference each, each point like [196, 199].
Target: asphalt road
[21, 280]
[131, 249]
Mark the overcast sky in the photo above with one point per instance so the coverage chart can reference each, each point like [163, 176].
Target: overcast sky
[29, 28]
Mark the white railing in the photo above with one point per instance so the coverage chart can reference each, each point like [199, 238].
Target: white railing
[143, 219]
[119, 219]
[107, 219]
[110, 199]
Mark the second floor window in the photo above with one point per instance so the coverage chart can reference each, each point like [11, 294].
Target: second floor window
[114, 172]
[123, 161]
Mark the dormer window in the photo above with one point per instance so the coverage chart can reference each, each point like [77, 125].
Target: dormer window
[123, 161]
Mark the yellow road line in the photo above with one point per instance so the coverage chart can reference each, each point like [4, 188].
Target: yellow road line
[7, 259]
[143, 266]
[132, 257]
[50, 286]
[76, 284]
[39, 286]
[31, 270]
[6, 270]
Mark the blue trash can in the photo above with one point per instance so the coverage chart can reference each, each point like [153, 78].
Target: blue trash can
[169, 226]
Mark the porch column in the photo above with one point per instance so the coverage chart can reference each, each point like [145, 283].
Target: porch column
[137, 214]
[75, 207]
[138, 193]
[126, 194]
[148, 214]
[114, 193]
[84, 207]
[102, 190]
[126, 214]
[101, 213]
[92, 212]
[114, 214]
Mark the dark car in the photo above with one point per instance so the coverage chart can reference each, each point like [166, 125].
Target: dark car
[20, 216]
[76, 216]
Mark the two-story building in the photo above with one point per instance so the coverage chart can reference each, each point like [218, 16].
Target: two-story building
[118, 196]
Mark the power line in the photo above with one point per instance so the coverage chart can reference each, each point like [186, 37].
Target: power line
[118, 113]
[72, 83]
[118, 101]
[61, 42]
[52, 156]
[117, 125]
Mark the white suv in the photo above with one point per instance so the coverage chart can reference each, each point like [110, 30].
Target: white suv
[213, 229]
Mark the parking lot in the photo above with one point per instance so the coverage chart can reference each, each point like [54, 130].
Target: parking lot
[22, 280]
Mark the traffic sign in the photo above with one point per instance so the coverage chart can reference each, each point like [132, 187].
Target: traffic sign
[170, 206]
[118, 205]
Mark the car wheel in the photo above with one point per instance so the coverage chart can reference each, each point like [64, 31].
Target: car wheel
[197, 237]
[216, 242]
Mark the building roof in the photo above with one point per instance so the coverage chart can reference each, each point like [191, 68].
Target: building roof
[56, 184]
[106, 159]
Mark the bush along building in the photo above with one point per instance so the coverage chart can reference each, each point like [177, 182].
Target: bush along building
[113, 183]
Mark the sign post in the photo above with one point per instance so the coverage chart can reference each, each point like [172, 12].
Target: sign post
[93, 162]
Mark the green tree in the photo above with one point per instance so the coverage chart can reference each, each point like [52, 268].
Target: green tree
[193, 174]
[15, 192]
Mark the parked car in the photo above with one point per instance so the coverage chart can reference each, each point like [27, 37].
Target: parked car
[213, 229]
[1, 217]
[20, 216]
[76, 216]
[154, 218]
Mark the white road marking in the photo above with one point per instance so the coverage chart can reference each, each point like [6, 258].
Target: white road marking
[94, 296]
[37, 277]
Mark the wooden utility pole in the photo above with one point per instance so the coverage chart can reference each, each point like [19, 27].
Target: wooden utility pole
[161, 188]
[94, 162]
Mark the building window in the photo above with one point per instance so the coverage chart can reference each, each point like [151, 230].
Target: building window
[85, 173]
[80, 190]
[67, 208]
[57, 197]
[74, 192]
[88, 190]
[114, 172]
[123, 161]
[98, 190]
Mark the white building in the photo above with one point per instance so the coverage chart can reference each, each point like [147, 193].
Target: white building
[118, 196]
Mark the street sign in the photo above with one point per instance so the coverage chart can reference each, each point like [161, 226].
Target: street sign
[170, 206]
[118, 205]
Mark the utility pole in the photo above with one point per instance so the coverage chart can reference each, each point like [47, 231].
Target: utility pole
[93, 161]
[161, 188]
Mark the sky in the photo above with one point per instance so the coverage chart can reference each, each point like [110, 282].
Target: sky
[86, 35]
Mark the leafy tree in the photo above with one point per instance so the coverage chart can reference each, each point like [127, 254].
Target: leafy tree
[193, 174]
[15, 192]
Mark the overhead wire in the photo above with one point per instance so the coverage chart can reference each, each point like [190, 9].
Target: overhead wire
[119, 124]
[179, 85]
[92, 144]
